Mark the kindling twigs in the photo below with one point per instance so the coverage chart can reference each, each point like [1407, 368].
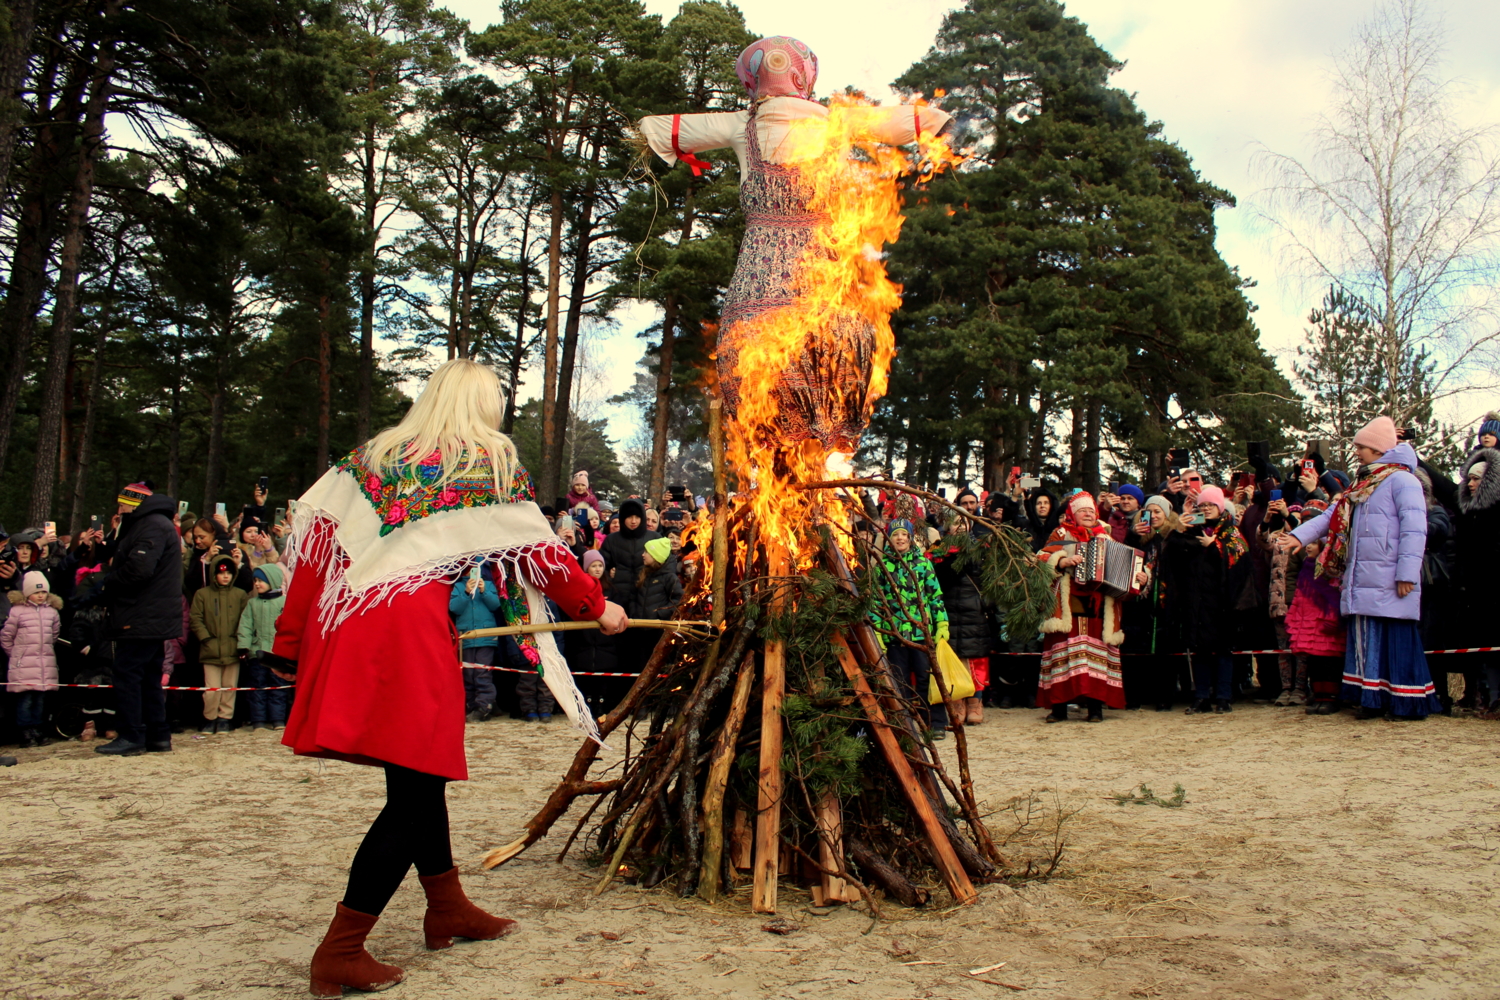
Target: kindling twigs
[696, 630]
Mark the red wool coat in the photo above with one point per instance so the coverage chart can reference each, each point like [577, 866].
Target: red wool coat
[385, 686]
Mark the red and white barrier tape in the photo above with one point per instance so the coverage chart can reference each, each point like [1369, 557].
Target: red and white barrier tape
[1268, 652]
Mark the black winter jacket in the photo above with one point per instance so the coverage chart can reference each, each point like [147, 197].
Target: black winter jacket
[657, 596]
[143, 589]
[1478, 548]
[970, 632]
[624, 554]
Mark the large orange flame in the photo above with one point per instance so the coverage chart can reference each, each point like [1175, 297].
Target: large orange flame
[853, 180]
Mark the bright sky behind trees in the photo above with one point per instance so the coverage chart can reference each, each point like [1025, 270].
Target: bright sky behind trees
[1221, 74]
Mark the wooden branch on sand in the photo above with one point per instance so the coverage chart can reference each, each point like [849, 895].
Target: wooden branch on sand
[574, 783]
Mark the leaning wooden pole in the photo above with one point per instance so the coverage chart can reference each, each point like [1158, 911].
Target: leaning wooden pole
[719, 549]
[943, 854]
[718, 780]
[768, 800]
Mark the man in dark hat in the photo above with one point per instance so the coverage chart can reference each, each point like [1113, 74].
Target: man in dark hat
[143, 594]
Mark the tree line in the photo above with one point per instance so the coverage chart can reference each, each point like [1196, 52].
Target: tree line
[213, 213]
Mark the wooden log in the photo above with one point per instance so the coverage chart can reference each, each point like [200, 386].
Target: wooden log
[943, 855]
[830, 818]
[719, 548]
[741, 841]
[768, 783]
[717, 782]
[573, 783]
[882, 874]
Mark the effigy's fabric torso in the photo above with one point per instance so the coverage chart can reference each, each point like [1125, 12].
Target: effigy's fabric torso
[821, 393]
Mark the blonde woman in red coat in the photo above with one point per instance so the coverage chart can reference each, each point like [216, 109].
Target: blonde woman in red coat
[377, 543]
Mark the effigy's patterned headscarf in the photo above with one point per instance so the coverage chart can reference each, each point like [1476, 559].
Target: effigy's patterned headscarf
[778, 66]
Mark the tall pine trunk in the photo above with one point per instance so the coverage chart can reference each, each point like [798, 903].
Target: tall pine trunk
[65, 305]
[547, 481]
[35, 231]
[325, 381]
[91, 407]
[583, 229]
[661, 424]
[517, 356]
[213, 470]
[365, 392]
[1092, 481]
[15, 53]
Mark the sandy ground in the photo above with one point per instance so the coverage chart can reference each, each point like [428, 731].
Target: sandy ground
[1313, 858]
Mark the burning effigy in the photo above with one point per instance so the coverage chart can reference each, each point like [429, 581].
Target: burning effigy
[839, 785]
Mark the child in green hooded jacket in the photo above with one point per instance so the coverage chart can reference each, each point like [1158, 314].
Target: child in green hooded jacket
[270, 699]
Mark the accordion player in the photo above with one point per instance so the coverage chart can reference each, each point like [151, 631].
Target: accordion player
[1109, 567]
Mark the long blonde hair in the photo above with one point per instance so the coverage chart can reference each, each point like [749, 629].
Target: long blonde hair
[458, 416]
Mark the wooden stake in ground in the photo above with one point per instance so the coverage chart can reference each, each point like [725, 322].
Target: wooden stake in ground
[768, 803]
[831, 847]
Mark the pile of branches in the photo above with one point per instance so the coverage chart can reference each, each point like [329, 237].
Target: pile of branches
[780, 748]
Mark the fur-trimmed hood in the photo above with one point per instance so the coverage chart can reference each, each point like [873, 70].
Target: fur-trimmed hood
[1488, 493]
[16, 597]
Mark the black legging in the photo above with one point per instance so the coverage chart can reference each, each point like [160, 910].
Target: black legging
[412, 829]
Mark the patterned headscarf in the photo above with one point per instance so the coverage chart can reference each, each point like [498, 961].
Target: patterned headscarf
[778, 66]
[1069, 523]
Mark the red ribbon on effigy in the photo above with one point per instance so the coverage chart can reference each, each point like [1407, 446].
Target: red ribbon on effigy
[698, 165]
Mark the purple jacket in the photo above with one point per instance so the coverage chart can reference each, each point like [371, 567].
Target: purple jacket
[1386, 543]
[30, 629]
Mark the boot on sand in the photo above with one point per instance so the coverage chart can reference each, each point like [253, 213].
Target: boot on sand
[975, 711]
[341, 960]
[451, 915]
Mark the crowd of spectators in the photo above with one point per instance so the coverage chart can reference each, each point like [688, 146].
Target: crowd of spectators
[1303, 586]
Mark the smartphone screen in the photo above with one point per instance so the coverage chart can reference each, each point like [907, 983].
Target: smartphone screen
[1275, 495]
[265, 483]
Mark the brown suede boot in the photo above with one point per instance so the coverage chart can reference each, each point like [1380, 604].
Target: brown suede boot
[341, 960]
[451, 915]
[976, 710]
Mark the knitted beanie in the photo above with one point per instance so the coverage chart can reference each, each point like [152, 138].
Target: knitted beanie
[1132, 490]
[1491, 424]
[1379, 434]
[592, 556]
[660, 549]
[133, 495]
[34, 582]
[900, 524]
[1334, 481]
[1161, 503]
[1213, 495]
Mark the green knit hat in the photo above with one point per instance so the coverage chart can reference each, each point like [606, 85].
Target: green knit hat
[660, 549]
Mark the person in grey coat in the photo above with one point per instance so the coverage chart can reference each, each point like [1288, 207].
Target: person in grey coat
[1376, 538]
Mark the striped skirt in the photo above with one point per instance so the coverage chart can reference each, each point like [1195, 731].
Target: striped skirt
[1385, 668]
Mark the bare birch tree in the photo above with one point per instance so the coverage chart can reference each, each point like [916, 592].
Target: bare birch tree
[1398, 209]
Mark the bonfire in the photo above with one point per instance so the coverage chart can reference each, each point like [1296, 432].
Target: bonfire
[778, 746]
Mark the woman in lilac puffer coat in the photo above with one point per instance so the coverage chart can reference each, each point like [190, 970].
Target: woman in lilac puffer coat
[1377, 537]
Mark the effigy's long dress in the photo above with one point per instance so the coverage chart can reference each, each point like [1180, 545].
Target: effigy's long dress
[822, 392]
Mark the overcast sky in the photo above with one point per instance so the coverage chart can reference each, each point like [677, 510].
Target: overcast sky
[1221, 75]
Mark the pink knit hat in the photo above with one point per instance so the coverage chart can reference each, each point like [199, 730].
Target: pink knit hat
[1379, 434]
[1213, 495]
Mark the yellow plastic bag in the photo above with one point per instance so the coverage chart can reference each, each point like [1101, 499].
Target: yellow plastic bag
[955, 675]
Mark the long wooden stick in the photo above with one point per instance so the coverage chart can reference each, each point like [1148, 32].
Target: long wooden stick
[943, 855]
[768, 800]
[718, 779]
[719, 548]
[696, 629]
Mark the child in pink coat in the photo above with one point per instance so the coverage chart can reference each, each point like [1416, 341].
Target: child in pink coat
[30, 629]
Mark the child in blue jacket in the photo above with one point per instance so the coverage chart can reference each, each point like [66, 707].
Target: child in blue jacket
[473, 605]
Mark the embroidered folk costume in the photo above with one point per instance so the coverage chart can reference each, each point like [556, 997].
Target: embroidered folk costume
[377, 544]
[1081, 640]
[823, 391]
